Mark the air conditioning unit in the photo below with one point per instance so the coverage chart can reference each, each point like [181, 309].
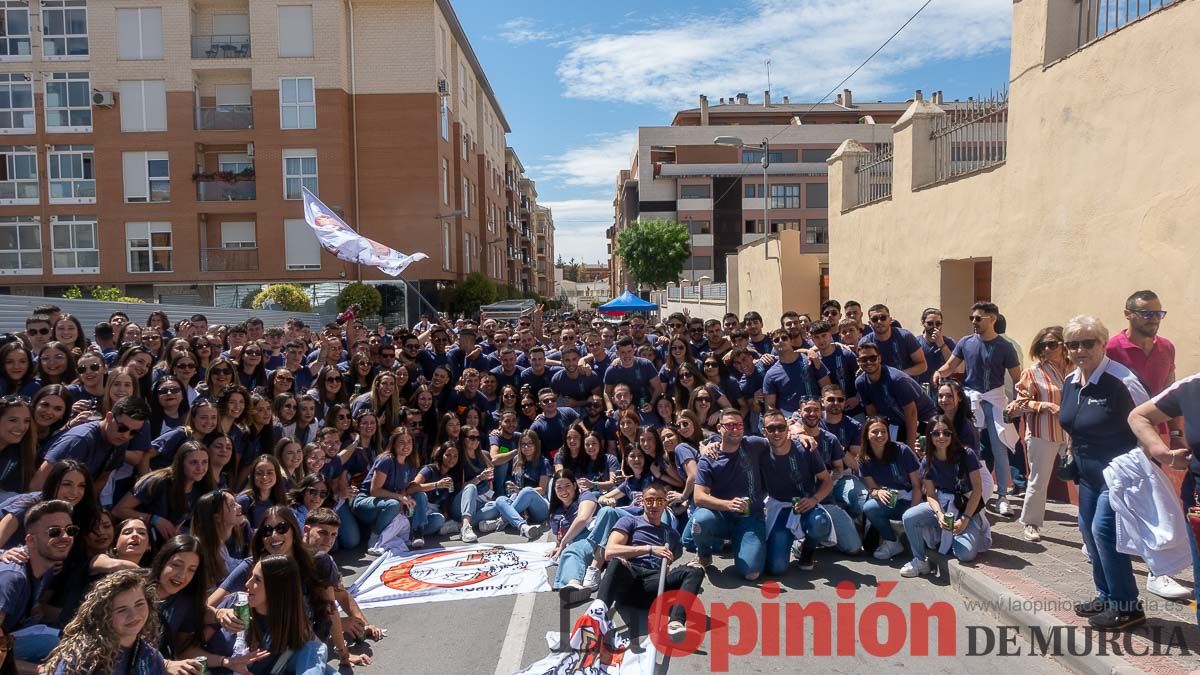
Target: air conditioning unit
[102, 98]
[443, 88]
[249, 149]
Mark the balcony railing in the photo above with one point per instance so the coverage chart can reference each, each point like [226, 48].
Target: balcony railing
[225, 191]
[971, 137]
[1098, 18]
[220, 46]
[225, 117]
[229, 259]
[875, 176]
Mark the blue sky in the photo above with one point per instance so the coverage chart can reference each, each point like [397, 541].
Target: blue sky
[576, 79]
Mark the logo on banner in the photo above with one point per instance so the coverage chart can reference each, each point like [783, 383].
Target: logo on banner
[452, 569]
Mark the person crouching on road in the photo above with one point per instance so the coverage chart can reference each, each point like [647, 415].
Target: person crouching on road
[796, 482]
[892, 474]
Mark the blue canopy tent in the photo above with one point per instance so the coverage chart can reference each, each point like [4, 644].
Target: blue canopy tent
[625, 303]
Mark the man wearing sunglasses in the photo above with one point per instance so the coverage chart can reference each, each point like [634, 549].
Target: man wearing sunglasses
[572, 385]
[898, 347]
[37, 331]
[49, 535]
[99, 445]
[551, 425]
[937, 347]
[794, 377]
[892, 394]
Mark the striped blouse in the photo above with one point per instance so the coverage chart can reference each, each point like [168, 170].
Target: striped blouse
[1042, 383]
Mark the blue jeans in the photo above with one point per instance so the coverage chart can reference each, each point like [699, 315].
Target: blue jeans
[1195, 568]
[779, 539]
[848, 538]
[999, 449]
[881, 516]
[1112, 572]
[500, 476]
[311, 659]
[577, 555]
[348, 530]
[34, 648]
[424, 520]
[375, 512]
[920, 524]
[467, 505]
[850, 493]
[710, 529]
[525, 501]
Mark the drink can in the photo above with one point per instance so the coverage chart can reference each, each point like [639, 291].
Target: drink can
[895, 497]
[203, 662]
[242, 607]
[949, 520]
[746, 506]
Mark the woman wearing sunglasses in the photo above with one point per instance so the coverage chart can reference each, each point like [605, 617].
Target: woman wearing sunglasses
[168, 406]
[217, 375]
[1039, 395]
[310, 494]
[88, 386]
[951, 518]
[250, 366]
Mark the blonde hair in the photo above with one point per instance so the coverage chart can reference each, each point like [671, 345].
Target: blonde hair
[1088, 325]
[88, 643]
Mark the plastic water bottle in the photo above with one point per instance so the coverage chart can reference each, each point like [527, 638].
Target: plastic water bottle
[242, 607]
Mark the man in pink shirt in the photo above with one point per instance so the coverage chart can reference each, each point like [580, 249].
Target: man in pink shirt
[1152, 358]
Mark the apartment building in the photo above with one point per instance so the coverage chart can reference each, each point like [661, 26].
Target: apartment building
[544, 255]
[680, 173]
[160, 145]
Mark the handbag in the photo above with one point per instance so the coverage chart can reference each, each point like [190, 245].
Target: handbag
[1068, 470]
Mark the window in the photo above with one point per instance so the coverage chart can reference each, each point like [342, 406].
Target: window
[75, 247]
[143, 105]
[445, 182]
[699, 227]
[462, 196]
[447, 246]
[14, 30]
[64, 29]
[466, 144]
[467, 252]
[785, 196]
[445, 52]
[752, 190]
[238, 235]
[18, 174]
[816, 231]
[302, 251]
[445, 112]
[297, 103]
[775, 157]
[139, 34]
[815, 155]
[699, 263]
[68, 102]
[695, 191]
[148, 246]
[16, 103]
[753, 227]
[234, 162]
[296, 30]
[20, 245]
[781, 225]
[72, 174]
[816, 195]
[299, 170]
[147, 177]
[462, 83]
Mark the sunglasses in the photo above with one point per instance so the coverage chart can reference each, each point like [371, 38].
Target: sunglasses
[252, 352]
[868, 359]
[529, 404]
[547, 401]
[93, 367]
[880, 318]
[654, 501]
[37, 331]
[125, 429]
[976, 318]
[151, 338]
[940, 434]
[284, 378]
[831, 312]
[221, 371]
[835, 399]
[675, 326]
[775, 428]
[934, 324]
[343, 417]
[1075, 345]
[59, 532]
[1148, 314]
[1050, 344]
[733, 426]
[703, 399]
[169, 390]
[278, 528]
[473, 437]
[312, 492]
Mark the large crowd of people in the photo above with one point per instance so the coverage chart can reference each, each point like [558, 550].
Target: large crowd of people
[170, 493]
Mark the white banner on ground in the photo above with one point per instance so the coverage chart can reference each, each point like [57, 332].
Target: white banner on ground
[341, 240]
[594, 649]
[476, 571]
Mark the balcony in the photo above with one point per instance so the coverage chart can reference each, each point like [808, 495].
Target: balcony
[216, 190]
[224, 118]
[229, 259]
[220, 46]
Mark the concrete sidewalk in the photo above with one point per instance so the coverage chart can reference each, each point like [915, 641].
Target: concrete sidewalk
[1026, 584]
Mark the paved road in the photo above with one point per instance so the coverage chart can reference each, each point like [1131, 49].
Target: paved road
[499, 635]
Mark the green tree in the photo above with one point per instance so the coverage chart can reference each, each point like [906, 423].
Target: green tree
[654, 251]
[474, 291]
[111, 293]
[366, 296]
[290, 297]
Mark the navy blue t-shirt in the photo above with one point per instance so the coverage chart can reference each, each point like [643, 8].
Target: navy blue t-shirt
[399, 475]
[950, 477]
[792, 383]
[894, 390]
[897, 350]
[11, 475]
[829, 448]
[552, 430]
[86, 443]
[640, 532]
[893, 474]
[561, 519]
[848, 431]
[933, 357]
[1182, 399]
[503, 378]
[637, 376]
[1096, 416]
[538, 381]
[786, 477]
[985, 361]
[735, 474]
[578, 389]
[18, 591]
[529, 474]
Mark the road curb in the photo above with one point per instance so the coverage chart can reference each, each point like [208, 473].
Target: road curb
[979, 586]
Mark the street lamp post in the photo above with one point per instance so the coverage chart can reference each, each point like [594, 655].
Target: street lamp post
[765, 146]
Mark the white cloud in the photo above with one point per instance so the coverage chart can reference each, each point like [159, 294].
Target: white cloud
[523, 30]
[579, 226]
[812, 44]
[593, 165]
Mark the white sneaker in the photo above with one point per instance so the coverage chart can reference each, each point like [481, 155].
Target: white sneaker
[796, 548]
[1032, 534]
[417, 543]
[468, 535]
[373, 542]
[888, 550]
[449, 527]
[530, 532]
[591, 578]
[1003, 508]
[675, 629]
[1166, 587]
[486, 526]
[1086, 555]
[914, 568]
[375, 551]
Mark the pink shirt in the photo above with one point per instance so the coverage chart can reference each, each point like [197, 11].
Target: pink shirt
[1153, 368]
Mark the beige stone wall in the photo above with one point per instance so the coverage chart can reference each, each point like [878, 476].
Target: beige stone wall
[773, 276]
[1098, 197]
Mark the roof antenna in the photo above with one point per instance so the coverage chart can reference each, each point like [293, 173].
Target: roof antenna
[767, 63]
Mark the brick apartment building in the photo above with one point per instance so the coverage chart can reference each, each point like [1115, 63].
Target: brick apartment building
[160, 145]
[679, 173]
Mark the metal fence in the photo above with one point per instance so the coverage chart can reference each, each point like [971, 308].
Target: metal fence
[1098, 18]
[15, 308]
[875, 175]
[698, 292]
[971, 136]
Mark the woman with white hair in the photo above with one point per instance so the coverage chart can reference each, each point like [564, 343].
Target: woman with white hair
[1096, 401]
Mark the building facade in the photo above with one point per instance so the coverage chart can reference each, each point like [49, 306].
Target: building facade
[160, 145]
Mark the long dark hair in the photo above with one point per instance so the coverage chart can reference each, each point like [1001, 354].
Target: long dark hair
[84, 513]
[14, 386]
[890, 449]
[28, 442]
[208, 531]
[956, 449]
[46, 391]
[157, 416]
[287, 624]
[177, 497]
[196, 590]
[963, 415]
[555, 502]
[306, 567]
